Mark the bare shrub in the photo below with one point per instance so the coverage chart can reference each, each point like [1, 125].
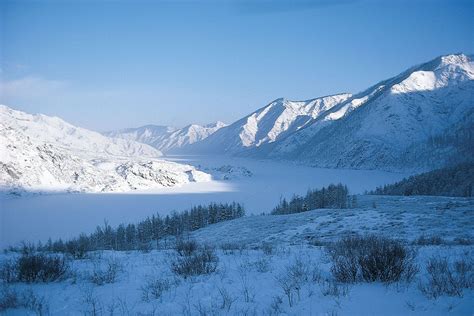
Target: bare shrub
[105, 274]
[371, 258]
[35, 268]
[203, 260]
[186, 247]
[275, 306]
[329, 287]
[154, 289]
[226, 299]
[267, 248]
[262, 265]
[447, 278]
[10, 299]
[91, 303]
[246, 284]
[292, 279]
[33, 302]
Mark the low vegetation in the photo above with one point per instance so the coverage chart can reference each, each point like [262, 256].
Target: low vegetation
[34, 267]
[371, 258]
[192, 259]
[445, 277]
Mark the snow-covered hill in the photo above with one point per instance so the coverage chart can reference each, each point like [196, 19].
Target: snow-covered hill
[167, 139]
[38, 152]
[420, 119]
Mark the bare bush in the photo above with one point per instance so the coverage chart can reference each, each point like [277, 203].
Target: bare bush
[292, 279]
[262, 265]
[226, 299]
[267, 248]
[447, 278]
[275, 307]
[246, 284]
[91, 303]
[154, 289]
[330, 287]
[186, 247]
[105, 274]
[33, 302]
[10, 299]
[371, 258]
[31, 267]
[202, 260]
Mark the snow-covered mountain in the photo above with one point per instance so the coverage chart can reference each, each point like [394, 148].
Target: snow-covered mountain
[167, 139]
[39, 152]
[420, 119]
[267, 125]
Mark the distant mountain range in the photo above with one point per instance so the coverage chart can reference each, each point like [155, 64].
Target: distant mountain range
[165, 138]
[419, 120]
[43, 153]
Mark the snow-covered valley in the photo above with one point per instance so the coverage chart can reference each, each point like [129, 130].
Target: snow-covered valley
[59, 182]
[255, 254]
[66, 215]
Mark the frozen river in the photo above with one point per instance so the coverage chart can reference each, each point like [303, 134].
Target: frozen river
[37, 217]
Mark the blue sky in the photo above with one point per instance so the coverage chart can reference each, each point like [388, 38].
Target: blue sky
[114, 64]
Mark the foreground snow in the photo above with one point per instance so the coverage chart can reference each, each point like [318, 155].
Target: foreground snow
[254, 251]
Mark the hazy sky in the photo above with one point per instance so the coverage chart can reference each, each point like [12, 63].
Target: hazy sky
[113, 64]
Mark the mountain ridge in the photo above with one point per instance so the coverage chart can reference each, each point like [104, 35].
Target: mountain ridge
[427, 100]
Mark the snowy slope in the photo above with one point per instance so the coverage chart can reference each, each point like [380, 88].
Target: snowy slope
[38, 152]
[422, 118]
[266, 125]
[165, 138]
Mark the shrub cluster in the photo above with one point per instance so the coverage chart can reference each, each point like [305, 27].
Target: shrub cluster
[31, 267]
[447, 278]
[371, 258]
[105, 274]
[192, 259]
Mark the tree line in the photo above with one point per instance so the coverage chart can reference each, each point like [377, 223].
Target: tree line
[332, 196]
[143, 234]
[450, 181]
